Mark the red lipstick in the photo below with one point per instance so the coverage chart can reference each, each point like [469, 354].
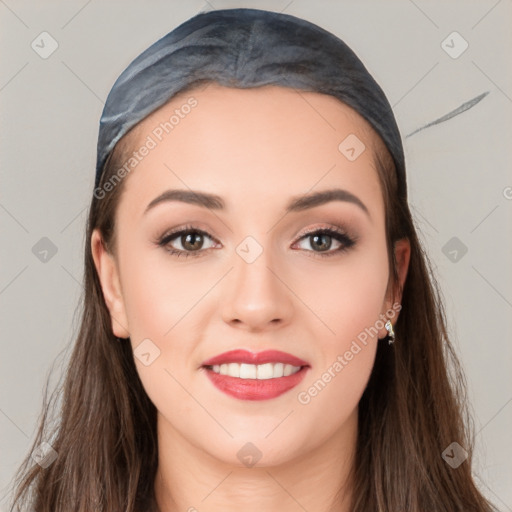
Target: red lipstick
[244, 356]
[255, 388]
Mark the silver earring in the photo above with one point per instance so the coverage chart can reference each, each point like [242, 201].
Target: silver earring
[391, 334]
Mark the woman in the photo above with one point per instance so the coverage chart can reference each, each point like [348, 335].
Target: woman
[260, 329]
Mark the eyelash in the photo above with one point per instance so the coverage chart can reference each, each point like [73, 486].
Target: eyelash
[338, 234]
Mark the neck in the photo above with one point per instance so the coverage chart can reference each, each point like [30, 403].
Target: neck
[190, 479]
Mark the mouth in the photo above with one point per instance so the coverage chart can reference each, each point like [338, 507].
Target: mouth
[255, 376]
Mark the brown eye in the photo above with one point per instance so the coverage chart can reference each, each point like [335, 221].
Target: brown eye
[189, 240]
[321, 241]
[192, 241]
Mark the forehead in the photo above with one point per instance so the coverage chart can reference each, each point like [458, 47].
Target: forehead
[267, 141]
[288, 103]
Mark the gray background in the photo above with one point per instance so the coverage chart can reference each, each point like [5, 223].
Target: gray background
[460, 183]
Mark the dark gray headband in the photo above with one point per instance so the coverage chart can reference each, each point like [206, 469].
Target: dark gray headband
[246, 48]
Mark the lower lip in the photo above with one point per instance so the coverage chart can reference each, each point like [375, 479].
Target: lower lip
[255, 389]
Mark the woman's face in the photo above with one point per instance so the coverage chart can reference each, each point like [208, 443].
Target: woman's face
[251, 272]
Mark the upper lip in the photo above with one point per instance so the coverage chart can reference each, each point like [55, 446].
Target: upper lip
[256, 358]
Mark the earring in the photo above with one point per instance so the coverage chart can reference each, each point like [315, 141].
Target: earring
[391, 333]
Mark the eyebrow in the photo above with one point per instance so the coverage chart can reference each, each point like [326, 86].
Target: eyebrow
[296, 204]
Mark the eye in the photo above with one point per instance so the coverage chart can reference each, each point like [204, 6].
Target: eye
[321, 239]
[189, 238]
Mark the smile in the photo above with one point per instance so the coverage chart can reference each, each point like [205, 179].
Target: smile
[252, 371]
[255, 376]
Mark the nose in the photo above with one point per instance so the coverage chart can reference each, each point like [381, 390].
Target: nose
[257, 296]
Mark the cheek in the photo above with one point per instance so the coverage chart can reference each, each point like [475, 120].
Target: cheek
[347, 294]
[350, 308]
[158, 294]
[161, 306]
[160, 303]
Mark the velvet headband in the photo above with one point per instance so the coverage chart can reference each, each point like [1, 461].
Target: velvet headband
[246, 48]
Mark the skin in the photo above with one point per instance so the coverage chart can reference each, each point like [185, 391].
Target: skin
[256, 149]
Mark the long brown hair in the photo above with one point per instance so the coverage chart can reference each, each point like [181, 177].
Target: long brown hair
[414, 406]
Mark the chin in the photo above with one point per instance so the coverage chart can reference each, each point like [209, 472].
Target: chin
[252, 449]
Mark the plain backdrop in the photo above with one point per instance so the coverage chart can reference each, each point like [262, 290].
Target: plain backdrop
[459, 177]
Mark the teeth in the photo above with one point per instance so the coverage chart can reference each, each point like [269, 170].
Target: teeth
[265, 371]
[252, 371]
[245, 371]
[279, 370]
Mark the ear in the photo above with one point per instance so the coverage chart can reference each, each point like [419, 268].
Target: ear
[402, 250]
[108, 274]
